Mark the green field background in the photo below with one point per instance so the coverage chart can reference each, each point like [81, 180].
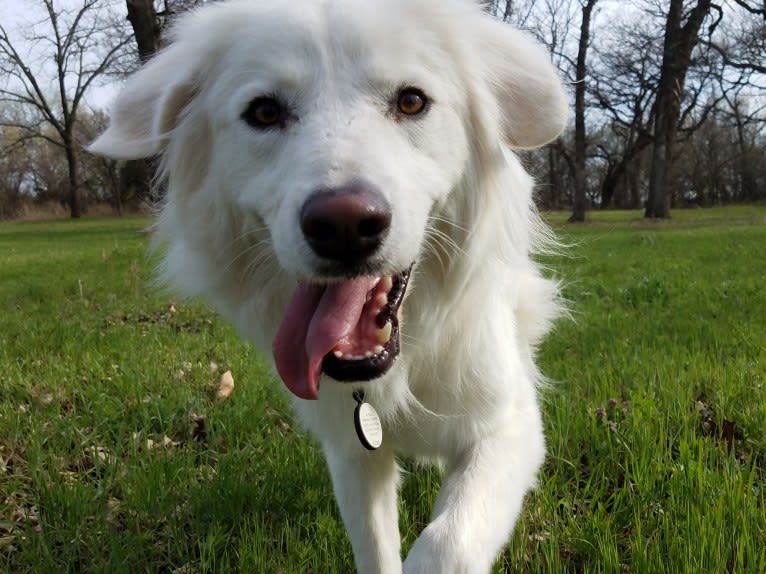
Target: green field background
[115, 456]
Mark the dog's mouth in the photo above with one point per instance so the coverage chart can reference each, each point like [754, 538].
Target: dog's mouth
[348, 330]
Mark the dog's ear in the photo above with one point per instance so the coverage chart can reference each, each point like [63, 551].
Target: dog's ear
[148, 106]
[528, 88]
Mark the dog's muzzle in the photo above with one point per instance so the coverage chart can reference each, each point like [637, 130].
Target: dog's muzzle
[346, 323]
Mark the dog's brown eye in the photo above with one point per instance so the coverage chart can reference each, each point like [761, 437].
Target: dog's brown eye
[265, 113]
[411, 102]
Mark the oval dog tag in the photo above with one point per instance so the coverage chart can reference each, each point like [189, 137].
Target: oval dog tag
[367, 424]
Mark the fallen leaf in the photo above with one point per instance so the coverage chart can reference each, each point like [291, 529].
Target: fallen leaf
[225, 386]
[167, 441]
[93, 453]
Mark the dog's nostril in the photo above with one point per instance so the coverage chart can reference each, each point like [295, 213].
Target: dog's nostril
[346, 224]
[319, 230]
[371, 227]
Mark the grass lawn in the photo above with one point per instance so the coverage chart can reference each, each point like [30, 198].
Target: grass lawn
[115, 456]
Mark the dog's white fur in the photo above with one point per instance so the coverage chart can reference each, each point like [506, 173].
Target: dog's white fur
[464, 388]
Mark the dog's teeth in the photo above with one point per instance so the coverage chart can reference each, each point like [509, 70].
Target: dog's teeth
[338, 354]
[384, 335]
[381, 300]
[378, 349]
[387, 283]
[368, 354]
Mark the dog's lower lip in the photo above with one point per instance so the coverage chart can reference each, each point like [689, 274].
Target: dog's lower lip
[367, 368]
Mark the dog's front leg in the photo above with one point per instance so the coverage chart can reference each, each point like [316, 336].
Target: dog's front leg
[479, 501]
[365, 485]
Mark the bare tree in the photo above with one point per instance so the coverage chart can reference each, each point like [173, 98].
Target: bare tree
[33, 172]
[624, 76]
[77, 41]
[524, 14]
[101, 176]
[580, 143]
[748, 156]
[633, 97]
[682, 28]
[14, 168]
[148, 20]
[146, 27]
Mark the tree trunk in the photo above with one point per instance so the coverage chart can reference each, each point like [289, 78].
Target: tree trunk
[135, 181]
[680, 40]
[633, 182]
[73, 192]
[578, 213]
[747, 187]
[136, 175]
[658, 202]
[554, 181]
[610, 182]
[146, 27]
[619, 172]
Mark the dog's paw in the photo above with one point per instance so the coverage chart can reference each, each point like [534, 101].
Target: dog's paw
[438, 551]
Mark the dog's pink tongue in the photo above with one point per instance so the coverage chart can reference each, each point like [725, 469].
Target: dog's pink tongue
[317, 317]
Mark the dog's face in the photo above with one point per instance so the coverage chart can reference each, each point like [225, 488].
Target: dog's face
[336, 135]
[339, 128]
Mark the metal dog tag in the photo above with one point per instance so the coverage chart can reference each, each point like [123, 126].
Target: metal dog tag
[367, 423]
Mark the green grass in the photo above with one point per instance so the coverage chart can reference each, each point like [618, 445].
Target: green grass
[656, 428]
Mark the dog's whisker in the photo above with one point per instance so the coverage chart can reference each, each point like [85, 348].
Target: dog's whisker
[439, 239]
[263, 255]
[450, 222]
[432, 246]
[232, 243]
[410, 339]
[445, 243]
[262, 260]
[263, 247]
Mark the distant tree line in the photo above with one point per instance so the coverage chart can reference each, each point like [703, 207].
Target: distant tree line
[45, 73]
[668, 99]
[669, 102]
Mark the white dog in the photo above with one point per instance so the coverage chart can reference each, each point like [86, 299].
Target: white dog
[340, 185]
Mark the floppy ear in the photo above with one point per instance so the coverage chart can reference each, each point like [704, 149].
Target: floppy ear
[533, 104]
[147, 108]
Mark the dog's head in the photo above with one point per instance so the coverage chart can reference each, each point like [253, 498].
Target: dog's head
[323, 135]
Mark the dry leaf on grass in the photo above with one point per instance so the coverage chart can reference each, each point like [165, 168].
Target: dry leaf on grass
[225, 386]
[96, 453]
[167, 442]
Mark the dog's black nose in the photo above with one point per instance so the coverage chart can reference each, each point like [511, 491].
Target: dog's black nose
[346, 224]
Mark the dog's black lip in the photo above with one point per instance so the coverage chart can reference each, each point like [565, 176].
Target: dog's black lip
[333, 271]
[348, 371]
